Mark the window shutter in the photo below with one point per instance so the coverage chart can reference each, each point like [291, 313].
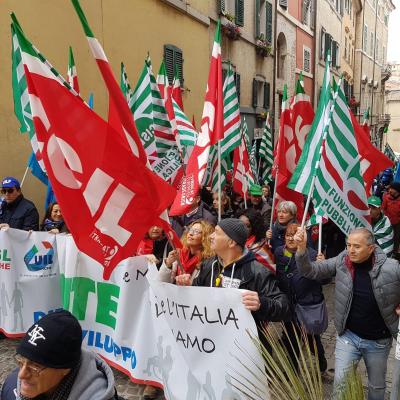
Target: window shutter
[334, 48]
[312, 22]
[328, 42]
[266, 95]
[346, 89]
[255, 94]
[268, 18]
[322, 44]
[221, 6]
[283, 3]
[237, 82]
[173, 60]
[337, 60]
[239, 12]
[169, 62]
[257, 18]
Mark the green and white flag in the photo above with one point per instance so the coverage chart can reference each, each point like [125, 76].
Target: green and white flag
[389, 153]
[305, 169]
[141, 106]
[339, 190]
[163, 132]
[22, 106]
[383, 232]
[187, 134]
[266, 153]
[252, 160]
[232, 134]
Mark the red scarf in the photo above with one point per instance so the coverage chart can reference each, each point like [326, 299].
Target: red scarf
[145, 247]
[189, 262]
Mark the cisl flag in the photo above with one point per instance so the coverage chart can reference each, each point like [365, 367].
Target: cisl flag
[108, 197]
[212, 130]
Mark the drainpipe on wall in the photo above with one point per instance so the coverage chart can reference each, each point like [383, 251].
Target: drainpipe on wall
[362, 58]
[316, 56]
[274, 74]
[373, 80]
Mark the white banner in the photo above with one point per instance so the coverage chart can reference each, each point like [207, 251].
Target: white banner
[191, 340]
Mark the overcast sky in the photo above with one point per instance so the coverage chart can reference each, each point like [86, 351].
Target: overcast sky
[394, 33]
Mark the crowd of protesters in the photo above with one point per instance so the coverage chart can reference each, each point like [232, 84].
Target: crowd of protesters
[235, 245]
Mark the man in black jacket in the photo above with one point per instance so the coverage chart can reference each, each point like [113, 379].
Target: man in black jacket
[235, 267]
[16, 211]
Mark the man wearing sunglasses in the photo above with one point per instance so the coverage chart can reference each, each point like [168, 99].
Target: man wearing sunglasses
[53, 366]
[16, 211]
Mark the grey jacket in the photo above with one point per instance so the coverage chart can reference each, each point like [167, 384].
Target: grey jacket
[385, 279]
[95, 381]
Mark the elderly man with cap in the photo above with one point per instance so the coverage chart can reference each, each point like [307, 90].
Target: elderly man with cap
[235, 267]
[381, 226]
[53, 366]
[16, 211]
[391, 208]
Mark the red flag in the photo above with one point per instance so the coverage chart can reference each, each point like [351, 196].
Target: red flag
[372, 160]
[108, 197]
[211, 131]
[177, 91]
[242, 173]
[287, 154]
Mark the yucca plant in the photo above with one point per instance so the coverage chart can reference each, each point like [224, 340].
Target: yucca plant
[284, 380]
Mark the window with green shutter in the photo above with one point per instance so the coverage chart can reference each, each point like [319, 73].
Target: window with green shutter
[173, 60]
[221, 6]
[239, 12]
[255, 93]
[267, 90]
[237, 82]
[257, 18]
[268, 18]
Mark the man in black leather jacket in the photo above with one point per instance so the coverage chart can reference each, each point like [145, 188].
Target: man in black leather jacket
[235, 267]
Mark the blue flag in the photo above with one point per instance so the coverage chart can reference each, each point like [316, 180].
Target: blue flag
[36, 170]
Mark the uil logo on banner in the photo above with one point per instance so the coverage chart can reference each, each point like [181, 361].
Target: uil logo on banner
[36, 334]
[36, 260]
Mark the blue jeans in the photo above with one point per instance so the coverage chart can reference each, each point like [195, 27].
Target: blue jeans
[350, 348]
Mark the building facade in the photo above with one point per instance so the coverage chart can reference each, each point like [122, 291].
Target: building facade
[371, 69]
[350, 11]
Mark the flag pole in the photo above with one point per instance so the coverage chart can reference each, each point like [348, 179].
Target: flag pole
[320, 236]
[325, 134]
[273, 199]
[219, 181]
[170, 241]
[23, 178]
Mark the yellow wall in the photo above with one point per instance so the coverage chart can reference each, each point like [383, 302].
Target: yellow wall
[127, 29]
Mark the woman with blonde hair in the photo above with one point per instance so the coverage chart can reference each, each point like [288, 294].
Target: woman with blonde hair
[196, 248]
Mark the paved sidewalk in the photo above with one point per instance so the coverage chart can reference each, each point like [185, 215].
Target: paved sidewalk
[133, 391]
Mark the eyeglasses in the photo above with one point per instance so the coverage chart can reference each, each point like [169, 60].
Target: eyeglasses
[194, 232]
[32, 368]
[9, 191]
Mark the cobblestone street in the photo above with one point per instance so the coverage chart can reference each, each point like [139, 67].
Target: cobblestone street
[132, 391]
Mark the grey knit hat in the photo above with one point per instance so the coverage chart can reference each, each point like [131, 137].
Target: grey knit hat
[235, 229]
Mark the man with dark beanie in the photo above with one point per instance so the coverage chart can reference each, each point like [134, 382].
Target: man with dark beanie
[236, 267]
[367, 294]
[52, 365]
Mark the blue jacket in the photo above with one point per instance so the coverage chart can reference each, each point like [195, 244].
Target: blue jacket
[20, 214]
[299, 289]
